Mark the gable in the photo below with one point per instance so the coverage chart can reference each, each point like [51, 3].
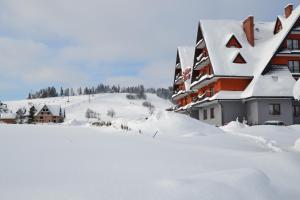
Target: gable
[233, 42]
[278, 26]
[282, 44]
[199, 33]
[239, 59]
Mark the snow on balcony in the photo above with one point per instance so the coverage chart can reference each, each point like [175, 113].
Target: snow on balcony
[200, 44]
[196, 84]
[178, 66]
[202, 63]
[179, 80]
[178, 95]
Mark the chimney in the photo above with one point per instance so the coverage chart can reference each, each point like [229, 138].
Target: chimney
[288, 10]
[248, 26]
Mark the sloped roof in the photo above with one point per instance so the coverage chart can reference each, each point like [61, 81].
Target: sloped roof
[7, 115]
[217, 32]
[186, 57]
[54, 109]
[277, 83]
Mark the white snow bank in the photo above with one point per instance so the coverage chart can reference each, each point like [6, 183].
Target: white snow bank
[233, 126]
[245, 182]
[61, 162]
[297, 144]
[175, 124]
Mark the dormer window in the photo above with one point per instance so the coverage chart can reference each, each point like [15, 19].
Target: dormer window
[233, 43]
[278, 26]
[239, 59]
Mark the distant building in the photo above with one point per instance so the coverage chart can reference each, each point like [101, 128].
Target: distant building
[241, 69]
[6, 116]
[49, 114]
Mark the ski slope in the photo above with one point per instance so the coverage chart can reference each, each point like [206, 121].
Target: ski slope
[187, 159]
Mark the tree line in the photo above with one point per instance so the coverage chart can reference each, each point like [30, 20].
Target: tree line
[51, 91]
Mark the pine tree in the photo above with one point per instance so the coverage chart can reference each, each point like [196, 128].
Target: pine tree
[61, 91]
[32, 112]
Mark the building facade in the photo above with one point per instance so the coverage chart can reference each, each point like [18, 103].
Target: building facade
[49, 114]
[241, 70]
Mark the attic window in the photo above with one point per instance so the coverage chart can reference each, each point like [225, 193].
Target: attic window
[239, 59]
[233, 43]
[278, 26]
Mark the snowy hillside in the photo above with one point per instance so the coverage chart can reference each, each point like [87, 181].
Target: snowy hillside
[186, 160]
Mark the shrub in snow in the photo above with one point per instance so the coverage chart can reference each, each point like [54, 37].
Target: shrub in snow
[91, 114]
[111, 113]
[102, 123]
[125, 127]
[150, 106]
[131, 96]
[20, 115]
[140, 95]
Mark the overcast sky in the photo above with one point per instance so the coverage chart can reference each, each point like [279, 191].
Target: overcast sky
[71, 43]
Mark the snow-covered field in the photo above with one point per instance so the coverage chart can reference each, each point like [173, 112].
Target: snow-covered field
[186, 159]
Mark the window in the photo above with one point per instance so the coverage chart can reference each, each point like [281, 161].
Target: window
[233, 43]
[274, 109]
[297, 110]
[212, 92]
[205, 114]
[292, 44]
[239, 59]
[294, 66]
[212, 113]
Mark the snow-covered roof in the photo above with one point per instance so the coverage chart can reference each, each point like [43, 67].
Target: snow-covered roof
[216, 34]
[229, 95]
[186, 57]
[8, 115]
[54, 109]
[277, 83]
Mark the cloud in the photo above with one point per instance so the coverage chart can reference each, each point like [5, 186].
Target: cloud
[156, 74]
[87, 41]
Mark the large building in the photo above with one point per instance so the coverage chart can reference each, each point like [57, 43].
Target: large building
[241, 70]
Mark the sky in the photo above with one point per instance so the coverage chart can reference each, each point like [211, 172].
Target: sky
[73, 43]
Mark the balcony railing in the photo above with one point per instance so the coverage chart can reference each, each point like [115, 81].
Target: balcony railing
[199, 97]
[200, 44]
[202, 63]
[179, 80]
[178, 66]
[289, 51]
[197, 78]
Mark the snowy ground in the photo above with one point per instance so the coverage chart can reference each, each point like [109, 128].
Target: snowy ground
[186, 160]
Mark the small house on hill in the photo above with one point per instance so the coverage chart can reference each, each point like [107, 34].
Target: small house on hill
[49, 114]
[6, 116]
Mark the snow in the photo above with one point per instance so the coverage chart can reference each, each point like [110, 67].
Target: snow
[217, 32]
[7, 115]
[227, 95]
[54, 109]
[296, 90]
[277, 83]
[165, 156]
[195, 85]
[297, 144]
